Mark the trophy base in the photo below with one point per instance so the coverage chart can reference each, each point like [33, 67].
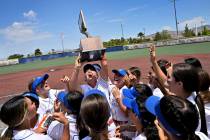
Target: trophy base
[91, 55]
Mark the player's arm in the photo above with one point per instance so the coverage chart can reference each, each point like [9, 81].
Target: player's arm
[104, 67]
[155, 65]
[161, 77]
[73, 84]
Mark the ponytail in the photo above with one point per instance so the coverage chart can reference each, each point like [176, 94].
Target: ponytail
[149, 128]
[82, 129]
[151, 132]
[8, 134]
[200, 105]
[95, 136]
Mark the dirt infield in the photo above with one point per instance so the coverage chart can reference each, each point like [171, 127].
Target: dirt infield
[11, 84]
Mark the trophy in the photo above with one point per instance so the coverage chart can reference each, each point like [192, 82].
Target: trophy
[91, 48]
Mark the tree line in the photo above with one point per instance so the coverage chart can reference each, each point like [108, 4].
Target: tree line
[37, 52]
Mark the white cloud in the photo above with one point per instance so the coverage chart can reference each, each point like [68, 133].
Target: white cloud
[98, 14]
[133, 9]
[20, 32]
[168, 28]
[31, 15]
[115, 20]
[198, 21]
[25, 31]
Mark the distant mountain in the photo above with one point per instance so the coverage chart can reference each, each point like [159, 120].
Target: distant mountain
[199, 29]
[172, 33]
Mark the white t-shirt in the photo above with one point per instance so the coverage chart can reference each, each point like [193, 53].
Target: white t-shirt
[46, 104]
[53, 93]
[111, 127]
[157, 92]
[140, 137]
[101, 85]
[207, 114]
[201, 136]
[117, 113]
[55, 130]
[29, 135]
[191, 98]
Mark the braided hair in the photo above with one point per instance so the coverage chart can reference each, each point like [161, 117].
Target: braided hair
[181, 115]
[147, 119]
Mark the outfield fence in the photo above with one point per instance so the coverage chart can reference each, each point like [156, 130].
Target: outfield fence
[170, 42]
[47, 57]
[9, 62]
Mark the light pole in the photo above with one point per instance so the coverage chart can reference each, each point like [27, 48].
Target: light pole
[122, 31]
[177, 32]
[62, 36]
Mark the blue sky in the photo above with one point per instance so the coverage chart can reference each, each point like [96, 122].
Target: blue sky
[26, 25]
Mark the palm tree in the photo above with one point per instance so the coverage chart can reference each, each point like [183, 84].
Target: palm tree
[141, 35]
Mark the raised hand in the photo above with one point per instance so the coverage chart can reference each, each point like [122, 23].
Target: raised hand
[65, 79]
[78, 64]
[57, 106]
[152, 53]
[116, 92]
[59, 116]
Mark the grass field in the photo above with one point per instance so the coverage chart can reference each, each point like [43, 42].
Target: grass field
[197, 48]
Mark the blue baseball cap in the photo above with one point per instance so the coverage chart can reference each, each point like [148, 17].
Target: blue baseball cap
[132, 104]
[130, 93]
[32, 96]
[94, 67]
[94, 91]
[38, 81]
[63, 98]
[121, 72]
[152, 104]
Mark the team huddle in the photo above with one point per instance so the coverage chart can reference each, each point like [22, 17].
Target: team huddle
[174, 104]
